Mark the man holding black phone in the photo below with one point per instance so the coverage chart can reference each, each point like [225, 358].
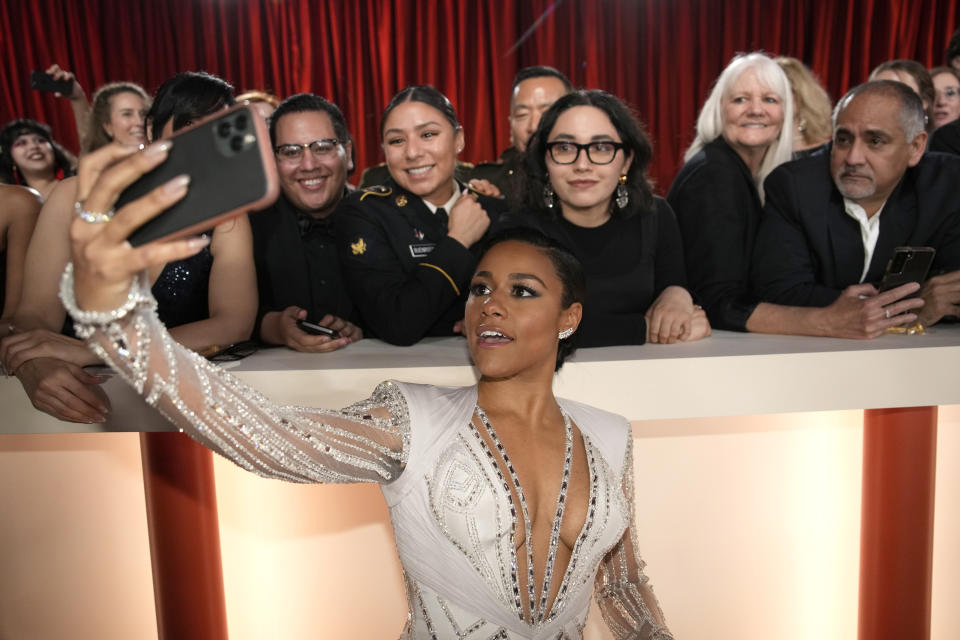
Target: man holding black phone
[832, 222]
[303, 302]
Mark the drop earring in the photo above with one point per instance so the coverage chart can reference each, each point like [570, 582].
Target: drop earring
[548, 196]
[623, 196]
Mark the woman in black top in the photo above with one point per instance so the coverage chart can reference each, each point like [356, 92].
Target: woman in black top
[409, 246]
[717, 195]
[585, 181]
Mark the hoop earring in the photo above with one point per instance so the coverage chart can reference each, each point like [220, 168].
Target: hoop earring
[548, 196]
[623, 196]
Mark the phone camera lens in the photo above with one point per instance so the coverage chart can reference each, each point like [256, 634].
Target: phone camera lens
[240, 122]
[223, 129]
[236, 143]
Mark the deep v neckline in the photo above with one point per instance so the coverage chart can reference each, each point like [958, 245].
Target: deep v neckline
[537, 610]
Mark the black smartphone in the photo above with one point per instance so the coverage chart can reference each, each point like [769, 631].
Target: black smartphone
[907, 264]
[237, 351]
[42, 81]
[315, 329]
[232, 171]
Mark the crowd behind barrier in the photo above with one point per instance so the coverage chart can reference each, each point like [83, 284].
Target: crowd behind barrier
[789, 216]
[393, 259]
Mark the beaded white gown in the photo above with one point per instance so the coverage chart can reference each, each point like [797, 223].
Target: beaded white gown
[445, 475]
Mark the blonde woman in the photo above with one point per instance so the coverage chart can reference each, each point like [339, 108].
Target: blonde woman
[812, 109]
[718, 195]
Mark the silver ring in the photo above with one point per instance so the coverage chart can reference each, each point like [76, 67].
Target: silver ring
[887, 312]
[92, 216]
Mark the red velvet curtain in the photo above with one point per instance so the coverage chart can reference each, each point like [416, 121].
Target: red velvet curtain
[661, 56]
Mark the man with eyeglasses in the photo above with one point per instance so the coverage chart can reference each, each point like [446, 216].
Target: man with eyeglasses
[298, 271]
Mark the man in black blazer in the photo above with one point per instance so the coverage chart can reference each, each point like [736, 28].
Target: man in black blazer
[946, 139]
[298, 268]
[830, 225]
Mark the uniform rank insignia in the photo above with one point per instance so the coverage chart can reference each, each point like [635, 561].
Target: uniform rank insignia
[418, 234]
[421, 249]
[401, 200]
[359, 247]
[377, 190]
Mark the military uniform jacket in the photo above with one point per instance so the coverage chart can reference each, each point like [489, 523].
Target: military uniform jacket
[504, 173]
[406, 276]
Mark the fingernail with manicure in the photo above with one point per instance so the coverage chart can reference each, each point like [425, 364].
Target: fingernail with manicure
[160, 147]
[199, 242]
[177, 184]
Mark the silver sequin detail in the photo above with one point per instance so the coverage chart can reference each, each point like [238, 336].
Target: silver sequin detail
[537, 610]
[370, 442]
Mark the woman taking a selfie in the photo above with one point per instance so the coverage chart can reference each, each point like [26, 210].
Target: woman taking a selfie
[551, 518]
[207, 299]
[585, 180]
[409, 246]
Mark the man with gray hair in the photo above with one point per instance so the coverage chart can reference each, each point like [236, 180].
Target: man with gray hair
[831, 223]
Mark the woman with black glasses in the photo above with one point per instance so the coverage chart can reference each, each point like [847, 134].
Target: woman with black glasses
[585, 177]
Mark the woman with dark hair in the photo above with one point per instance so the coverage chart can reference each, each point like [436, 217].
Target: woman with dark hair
[30, 157]
[185, 98]
[585, 180]
[265, 103]
[208, 299]
[408, 246]
[118, 113]
[510, 507]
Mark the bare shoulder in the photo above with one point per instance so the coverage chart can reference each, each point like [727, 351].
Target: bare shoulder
[233, 233]
[18, 203]
[59, 205]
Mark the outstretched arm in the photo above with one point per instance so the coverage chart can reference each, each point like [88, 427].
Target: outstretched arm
[623, 592]
[106, 292]
[78, 101]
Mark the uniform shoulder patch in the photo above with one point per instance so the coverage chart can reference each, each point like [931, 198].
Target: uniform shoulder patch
[377, 190]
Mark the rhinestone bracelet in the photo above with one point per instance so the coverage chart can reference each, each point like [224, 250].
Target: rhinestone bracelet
[138, 293]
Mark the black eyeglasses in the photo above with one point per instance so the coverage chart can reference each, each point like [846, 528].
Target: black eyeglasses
[600, 152]
[293, 153]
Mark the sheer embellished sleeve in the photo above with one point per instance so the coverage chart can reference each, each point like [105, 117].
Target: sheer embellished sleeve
[365, 442]
[624, 593]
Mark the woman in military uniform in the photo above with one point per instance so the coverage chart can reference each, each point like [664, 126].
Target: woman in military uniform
[409, 246]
